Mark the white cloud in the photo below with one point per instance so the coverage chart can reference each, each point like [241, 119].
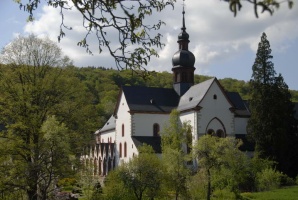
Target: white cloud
[216, 35]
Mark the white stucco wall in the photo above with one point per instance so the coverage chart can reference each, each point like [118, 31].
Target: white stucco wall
[123, 118]
[190, 117]
[107, 136]
[218, 108]
[142, 123]
[240, 125]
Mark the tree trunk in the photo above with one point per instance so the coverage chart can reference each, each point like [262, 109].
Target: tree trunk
[209, 185]
[32, 182]
[177, 195]
[32, 193]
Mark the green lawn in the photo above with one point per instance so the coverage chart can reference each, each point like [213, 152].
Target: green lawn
[287, 193]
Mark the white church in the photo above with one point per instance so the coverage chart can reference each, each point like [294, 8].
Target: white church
[142, 112]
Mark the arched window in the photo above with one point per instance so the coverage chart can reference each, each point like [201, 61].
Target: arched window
[211, 132]
[178, 77]
[125, 149]
[120, 150]
[122, 130]
[220, 133]
[156, 130]
[215, 96]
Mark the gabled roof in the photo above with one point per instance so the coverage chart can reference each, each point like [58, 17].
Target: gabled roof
[154, 142]
[150, 99]
[109, 125]
[194, 95]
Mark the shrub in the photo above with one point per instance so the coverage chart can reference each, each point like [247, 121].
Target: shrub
[77, 190]
[268, 179]
[197, 185]
[223, 195]
[67, 182]
[286, 181]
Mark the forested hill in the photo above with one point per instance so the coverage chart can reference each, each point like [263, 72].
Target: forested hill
[97, 89]
[105, 83]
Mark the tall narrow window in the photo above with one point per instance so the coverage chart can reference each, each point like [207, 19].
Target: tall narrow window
[122, 130]
[184, 77]
[125, 149]
[155, 130]
[178, 77]
[120, 150]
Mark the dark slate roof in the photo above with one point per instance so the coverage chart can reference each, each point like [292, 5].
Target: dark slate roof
[194, 95]
[241, 107]
[183, 58]
[109, 125]
[247, 144]
[236, 100]
[155, 142]
[150, 99]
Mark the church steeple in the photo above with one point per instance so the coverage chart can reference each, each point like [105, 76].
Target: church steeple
[183, 36]
[183, 62]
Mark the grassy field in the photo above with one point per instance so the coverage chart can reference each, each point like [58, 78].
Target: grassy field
[287, 193]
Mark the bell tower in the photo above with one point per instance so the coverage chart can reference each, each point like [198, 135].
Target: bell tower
[183, 62]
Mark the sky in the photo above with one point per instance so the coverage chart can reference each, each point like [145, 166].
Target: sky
[224, 46]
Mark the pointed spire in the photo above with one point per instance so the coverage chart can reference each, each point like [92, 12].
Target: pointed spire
[183, 36]
[183, 62]
[183, 20]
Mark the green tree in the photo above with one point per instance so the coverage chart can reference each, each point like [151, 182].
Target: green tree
[174, 154]
[32, 51]
[32, 89]
[270, 124]
[114, 187]
[221, 161]
[55, 156]
[88, 181]
[141, 177]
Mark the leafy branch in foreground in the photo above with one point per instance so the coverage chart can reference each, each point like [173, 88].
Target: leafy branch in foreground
[265, 5]
[137, 40]
[127, 20]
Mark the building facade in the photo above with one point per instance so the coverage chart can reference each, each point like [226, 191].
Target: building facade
[141, 113]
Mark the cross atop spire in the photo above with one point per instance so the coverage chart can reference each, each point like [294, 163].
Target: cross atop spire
[183, 20]
[183, 36]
